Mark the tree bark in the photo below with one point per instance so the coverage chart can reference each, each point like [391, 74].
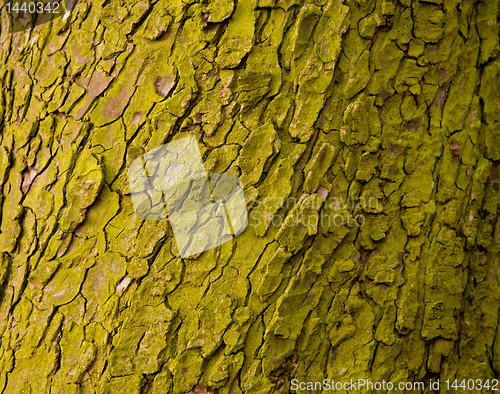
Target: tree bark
[366, 134]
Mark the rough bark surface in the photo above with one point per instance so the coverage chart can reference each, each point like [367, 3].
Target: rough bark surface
[320, 107]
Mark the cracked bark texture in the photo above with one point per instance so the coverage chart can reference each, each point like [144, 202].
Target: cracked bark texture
[303, 100]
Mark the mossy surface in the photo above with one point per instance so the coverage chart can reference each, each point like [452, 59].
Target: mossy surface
[366, 136]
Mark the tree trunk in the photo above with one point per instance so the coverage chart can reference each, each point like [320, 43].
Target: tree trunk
[366, 134]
